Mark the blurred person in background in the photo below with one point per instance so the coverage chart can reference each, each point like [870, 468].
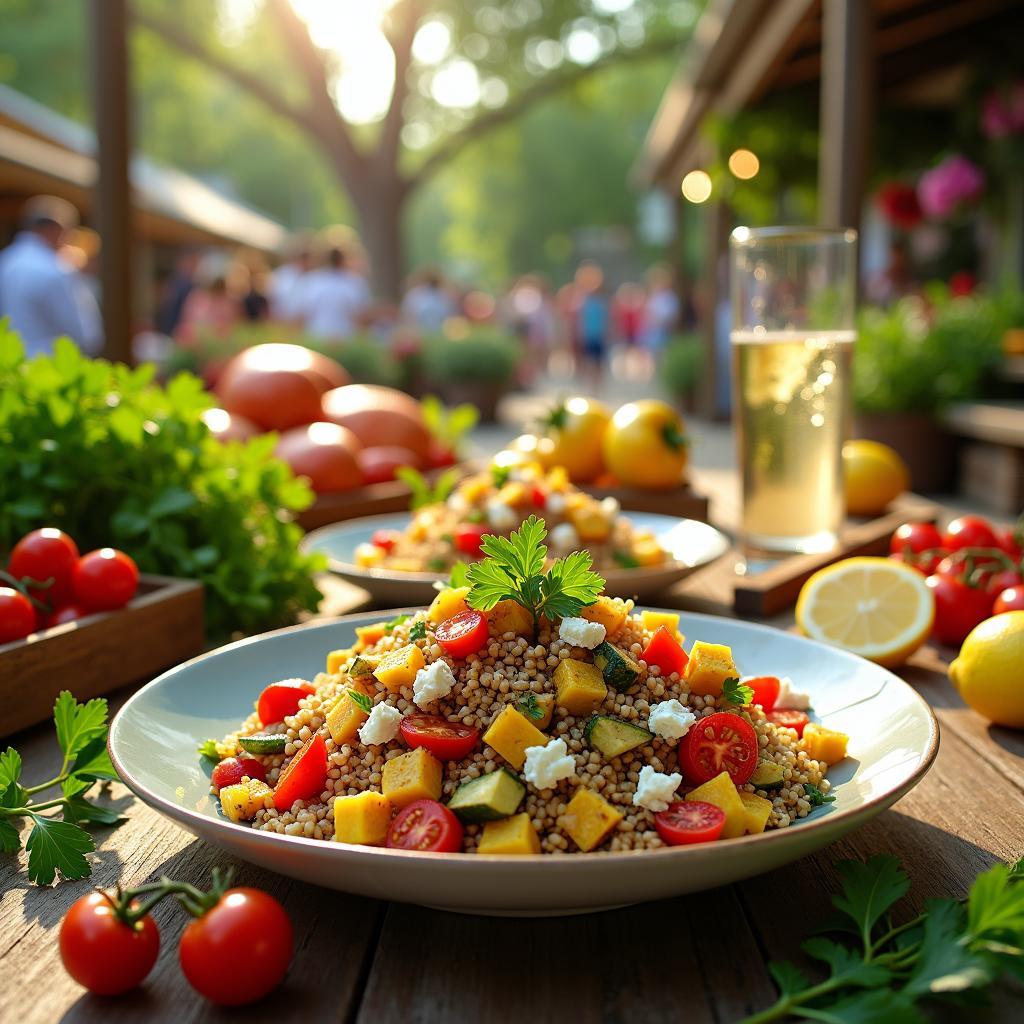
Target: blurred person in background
[334, 301]
[212, 307]
[628, 317]
[176, 290]
[661, 311]
[254, 281]
[44, 296]
[284, 283]
[427, 303]
[594, 322]
[80, 253]
[529, 312]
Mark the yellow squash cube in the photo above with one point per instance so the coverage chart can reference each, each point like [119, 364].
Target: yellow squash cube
[610, 612]
[823, 744]
[369, 556]
[367, 636]
[346, 717]
[362, 819]
[448, 602]
[545, 704]
[708, 668]
[721, 792]
[580, 687]
[757, 810]
[475, 488]
[241, 802]
[514, 493]
[515, 835]
[652, 620]
[510, 617]
[647, 551]
[399, 668]
[589, 818]
[558, 478]
[414, 775]
[591, 524]
[337, 660]
[511, 733]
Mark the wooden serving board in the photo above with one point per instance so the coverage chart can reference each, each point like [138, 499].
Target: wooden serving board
[684, 502]
[160, 627]
[767, 593]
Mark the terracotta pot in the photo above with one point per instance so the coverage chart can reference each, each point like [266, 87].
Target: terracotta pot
[927, 449]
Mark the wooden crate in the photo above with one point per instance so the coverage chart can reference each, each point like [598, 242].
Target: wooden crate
[161, 626]
[683, 501]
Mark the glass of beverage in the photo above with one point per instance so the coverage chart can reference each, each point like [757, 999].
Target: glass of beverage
[793, 303]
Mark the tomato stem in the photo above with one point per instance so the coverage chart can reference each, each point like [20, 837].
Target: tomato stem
[131, 910]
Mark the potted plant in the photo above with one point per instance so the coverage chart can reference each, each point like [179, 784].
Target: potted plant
[475, 365]
[680, 368]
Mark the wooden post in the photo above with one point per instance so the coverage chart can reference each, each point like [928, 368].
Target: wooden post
[109, 46]
[847, 86]
[718, 224]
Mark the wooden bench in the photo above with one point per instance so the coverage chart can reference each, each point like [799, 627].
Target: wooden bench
[992, 456]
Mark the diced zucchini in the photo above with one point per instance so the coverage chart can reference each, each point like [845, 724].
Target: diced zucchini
[617, 667]
[264, 743]
[364, 665]
[767, 775]
[612, 736]
[488, 798]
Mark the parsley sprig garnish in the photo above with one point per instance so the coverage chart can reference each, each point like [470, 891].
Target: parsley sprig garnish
[418, 630]
[815, 797]
[736, 692]
[361, 701]
[60, 844]
[514, 570]
[529, 706]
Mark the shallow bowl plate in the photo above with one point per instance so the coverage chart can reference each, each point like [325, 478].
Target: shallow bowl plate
[153, 739]
[691, 544]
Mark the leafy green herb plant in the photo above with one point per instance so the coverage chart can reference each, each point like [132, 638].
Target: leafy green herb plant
[423, 492]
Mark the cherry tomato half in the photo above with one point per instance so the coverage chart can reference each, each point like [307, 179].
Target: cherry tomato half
[103, 953]
[105, 579]
[17, 616]
[426, 826]
[689, 821]
[664, 651]
[385, 539]
[789, 718]
[280, 700]
[468, 537]
[448, 741]
[463, 634]
[246, 927]
[969, 532]
[304, 775]
[721, 742]
[66, 613]
[766, 691]
[46, 554]
[232, 770]
[958, 608]
[1010, 600]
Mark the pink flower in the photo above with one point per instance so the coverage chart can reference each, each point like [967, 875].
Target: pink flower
[1002, 111]
[955, 181]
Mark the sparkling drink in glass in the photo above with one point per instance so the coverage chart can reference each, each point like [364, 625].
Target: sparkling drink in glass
[793, 304]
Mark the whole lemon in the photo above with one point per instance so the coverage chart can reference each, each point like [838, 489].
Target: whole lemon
[874, 475]
[989, 671]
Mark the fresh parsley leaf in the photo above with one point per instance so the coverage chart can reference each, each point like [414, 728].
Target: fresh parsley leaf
[476, 516]
[93, 762]
[57, 846]
[10, 840]
[996, 902]
[418, 630]
[423, 493]
[73, 785]
[944, 963]
[625, 559]
[396, 621]
[80, 811]
[208, 749]
[869, 890]
[736, 692]
[790, 979]
[78, 724]
[489, 583]
[523, 554]
[435, 564]
[500, 475]
[570, 586]
[815, 797]
[877, 1006]
[845, 964]
[459, 575]
[361, 701]
[527, 705]
[10, 768]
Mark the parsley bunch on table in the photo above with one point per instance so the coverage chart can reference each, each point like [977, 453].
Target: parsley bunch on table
[514, 570]
[60, 844]
[879, 971]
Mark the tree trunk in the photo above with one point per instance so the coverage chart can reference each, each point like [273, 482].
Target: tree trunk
[379, 210]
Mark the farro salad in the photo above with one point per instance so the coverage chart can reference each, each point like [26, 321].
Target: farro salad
[496, 501]
[526, 713]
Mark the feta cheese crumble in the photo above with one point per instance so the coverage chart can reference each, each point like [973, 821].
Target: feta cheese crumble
[564, 537]
[791, 699]
[655, 790]
[555, 504]
[670, 720]
[611, 508]
[501, 516]
[548, 764]
[381, 726]
[432, 683]
[581, 632]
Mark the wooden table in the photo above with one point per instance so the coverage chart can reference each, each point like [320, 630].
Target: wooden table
[695, 958]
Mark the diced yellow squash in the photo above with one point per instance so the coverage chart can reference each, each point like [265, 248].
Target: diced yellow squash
[708, 668]
[367, 636]
[511, 733]
[757, 810]
[510, 617]
[515, 835]
[610, 612]
[647, 551]
[670, 620]
[721, 792]
[417, 530]
[579, 687]
[576, 500]
[475, 488]
[592, 525]
[514, 493]
[241, 802]
[346, 717]
[369, 555]
[399, 668]
[337, 660]
[448, 602]
[589, 818]
[823, 744]
[362, 819]
[558, 478]
[414, 775]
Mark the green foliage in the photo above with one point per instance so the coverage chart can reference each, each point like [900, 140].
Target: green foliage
[423, 491]
[736, 692]
[368, 361]
[483, 354]
[921, 355]
[100, 451]
[681, 364]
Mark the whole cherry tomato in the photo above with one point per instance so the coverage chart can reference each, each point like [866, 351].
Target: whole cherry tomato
[1010, 600]
[918, 545]
[1003, 580]
[17, 616]
[103, 952]
[1009, 542]
[976, 570]
[105, 579]
[232, 770]
[239, 950]
[468, 537]
[969, 532]
[66, 613]
[958, 608]
[46, 554]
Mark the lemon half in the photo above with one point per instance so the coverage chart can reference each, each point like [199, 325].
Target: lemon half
[878, 608]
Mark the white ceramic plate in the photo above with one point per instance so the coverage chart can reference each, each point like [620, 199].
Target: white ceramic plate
[153, 739]
[691, 544]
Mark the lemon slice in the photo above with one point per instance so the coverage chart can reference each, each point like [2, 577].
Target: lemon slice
[878, 608]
